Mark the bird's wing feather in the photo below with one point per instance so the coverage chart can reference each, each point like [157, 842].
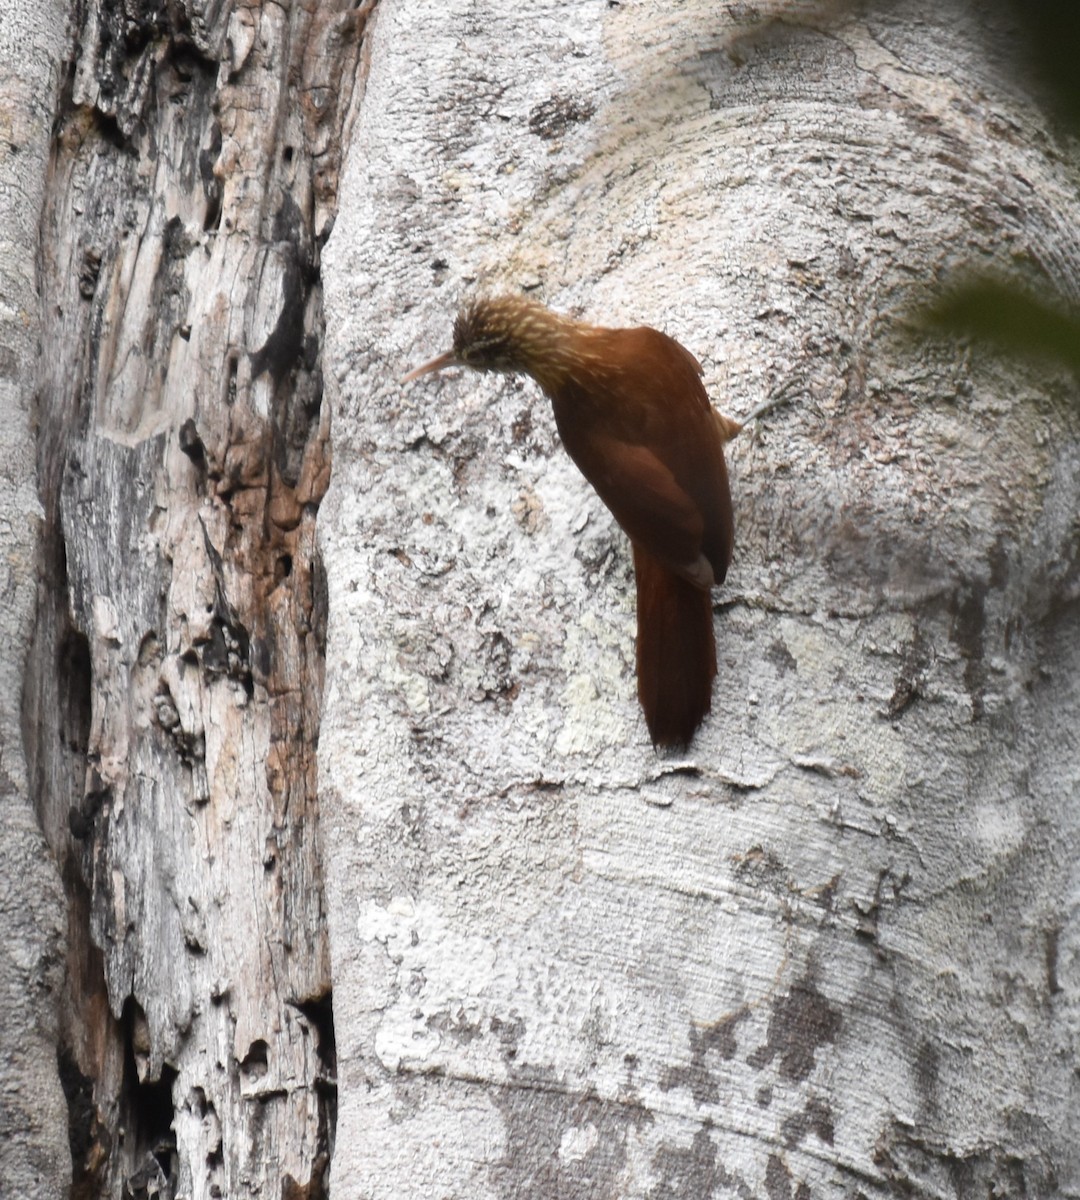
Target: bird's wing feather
[654, 453]
[646, 499]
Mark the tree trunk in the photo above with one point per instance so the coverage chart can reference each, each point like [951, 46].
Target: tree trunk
[172, 705]
[833, 950]
[34, 1161]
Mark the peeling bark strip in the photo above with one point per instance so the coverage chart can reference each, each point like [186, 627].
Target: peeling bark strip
[177, 674]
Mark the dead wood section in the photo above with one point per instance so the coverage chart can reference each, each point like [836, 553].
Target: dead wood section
[173, 698]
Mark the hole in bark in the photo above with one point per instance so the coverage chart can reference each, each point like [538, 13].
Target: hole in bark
[106, 125]
[87, 1139]
[282, 568]
[81, 817]
[146, 1104]
[212, 188]
[212, 216]
[86, 1009]
[192, 445]
[319, 1012]
[257, 1059]
[320, 1015]
[74, 672]
[287, 155]
[230, 385]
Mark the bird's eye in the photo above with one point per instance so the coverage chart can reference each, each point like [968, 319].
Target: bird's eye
[489, 348]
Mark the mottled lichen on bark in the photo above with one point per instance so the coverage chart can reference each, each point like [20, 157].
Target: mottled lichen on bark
[822, 935]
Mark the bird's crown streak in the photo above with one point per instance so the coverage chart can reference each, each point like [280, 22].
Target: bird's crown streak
[514, 333]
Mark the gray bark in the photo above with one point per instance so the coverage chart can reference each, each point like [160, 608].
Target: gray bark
[34, 1158]
[834, 950]
[831, 951]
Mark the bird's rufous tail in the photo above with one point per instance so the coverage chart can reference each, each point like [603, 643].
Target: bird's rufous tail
[676, 651]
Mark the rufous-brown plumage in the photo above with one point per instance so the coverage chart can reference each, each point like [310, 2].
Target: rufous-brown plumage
[633, 414]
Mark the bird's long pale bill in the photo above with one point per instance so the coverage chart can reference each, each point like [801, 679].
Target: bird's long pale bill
[436, 364]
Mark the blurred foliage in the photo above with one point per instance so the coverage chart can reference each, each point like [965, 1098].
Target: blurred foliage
[1010, 317]
[1045, 55]
[1004, 313]
[1051, 56]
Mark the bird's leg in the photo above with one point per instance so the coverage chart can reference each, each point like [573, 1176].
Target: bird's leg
[730, 428]
[777, 400]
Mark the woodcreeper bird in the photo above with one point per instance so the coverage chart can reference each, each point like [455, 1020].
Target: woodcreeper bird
[633, 414]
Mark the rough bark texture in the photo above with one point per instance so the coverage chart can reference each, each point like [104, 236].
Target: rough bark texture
[173, 703]
[33, 1145]
[834, 951]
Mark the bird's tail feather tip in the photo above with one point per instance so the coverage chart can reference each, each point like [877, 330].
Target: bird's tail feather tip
[676, 652]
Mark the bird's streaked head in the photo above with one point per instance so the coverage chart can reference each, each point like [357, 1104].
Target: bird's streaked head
[502, 333]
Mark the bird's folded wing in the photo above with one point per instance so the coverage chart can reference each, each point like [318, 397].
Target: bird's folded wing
[650, 504]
